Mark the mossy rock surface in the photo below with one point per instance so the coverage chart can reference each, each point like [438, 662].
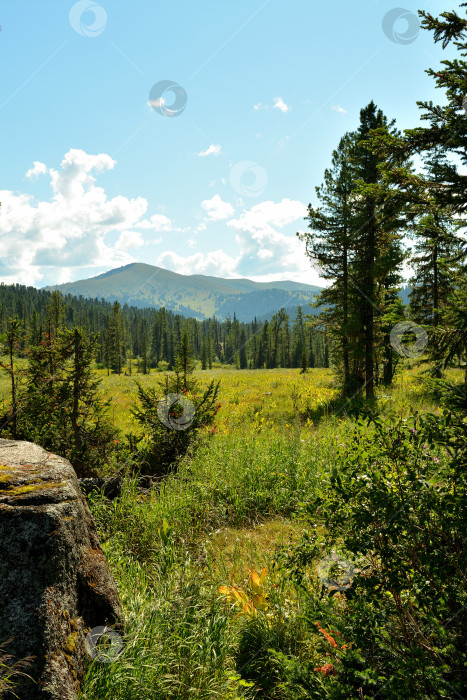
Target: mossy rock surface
[55, 582]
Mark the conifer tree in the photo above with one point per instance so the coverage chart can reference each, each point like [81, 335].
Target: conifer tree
[379, 222]
[299, 358]
[329, 244]
[447, 129]
[438, 255]
[243, 363]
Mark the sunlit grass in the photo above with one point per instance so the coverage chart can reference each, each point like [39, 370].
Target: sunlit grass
[241, 495]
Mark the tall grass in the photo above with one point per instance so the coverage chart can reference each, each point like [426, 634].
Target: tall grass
[179, 640]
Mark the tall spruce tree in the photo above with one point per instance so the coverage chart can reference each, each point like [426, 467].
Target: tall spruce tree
[438, 253]
[379, 222]
[329, 243]
[447, 122]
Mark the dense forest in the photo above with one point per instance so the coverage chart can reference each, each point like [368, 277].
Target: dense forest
[140, 339]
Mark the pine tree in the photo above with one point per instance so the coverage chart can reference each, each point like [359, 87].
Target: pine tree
[60, 406]
[329, 244]
[263, 348]
[439, 252]
[144, 346]
[243, 363]
[447, 128]
[299, 358]
[209, 347]
[184, 362]
[204, 355]
[379, 223]
[56, 311]
[115, 338]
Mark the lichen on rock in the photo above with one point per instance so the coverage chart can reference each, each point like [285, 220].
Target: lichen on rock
[55, 582]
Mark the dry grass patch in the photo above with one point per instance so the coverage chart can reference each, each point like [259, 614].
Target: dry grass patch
[237, 550]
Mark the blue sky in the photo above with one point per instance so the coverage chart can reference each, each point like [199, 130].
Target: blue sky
[94, 174]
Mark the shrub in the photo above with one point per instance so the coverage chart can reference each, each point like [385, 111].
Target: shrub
[396, 502]
[173, 415]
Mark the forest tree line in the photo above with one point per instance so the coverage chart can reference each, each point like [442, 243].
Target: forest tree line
[132, 339]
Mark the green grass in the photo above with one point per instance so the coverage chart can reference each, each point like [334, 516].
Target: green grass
[227, 509]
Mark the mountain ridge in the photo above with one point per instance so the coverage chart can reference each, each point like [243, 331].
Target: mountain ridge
[201, 296]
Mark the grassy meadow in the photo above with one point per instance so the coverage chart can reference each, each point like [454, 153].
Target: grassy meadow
[239, 504]
[231, 508]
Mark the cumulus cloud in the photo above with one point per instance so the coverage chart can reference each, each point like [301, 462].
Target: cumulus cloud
[217, 209]
[266, 215]
[338, 108]
[129, 239]
[266, 251]
[216, 263]
[213, 150]
[157, 222]
[281, 105]
[37, 169]
[68, 230]
[76, 227]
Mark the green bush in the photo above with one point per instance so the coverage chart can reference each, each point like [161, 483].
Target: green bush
[396, 506]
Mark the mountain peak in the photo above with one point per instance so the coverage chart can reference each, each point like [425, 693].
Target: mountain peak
[202, 296]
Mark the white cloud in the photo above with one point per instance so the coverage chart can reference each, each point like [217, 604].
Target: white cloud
[67, 235]
[68, 230]
[278, 103]
[211, 151]
[157, 222]
[264, 216]
[338, 108]
[281, 105]
[217, 209]
[37, 169]
[216, 263]
[128, 240]
[266, 251]
[64, 275]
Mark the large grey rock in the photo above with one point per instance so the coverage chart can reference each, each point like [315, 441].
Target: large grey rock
[55, 582]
